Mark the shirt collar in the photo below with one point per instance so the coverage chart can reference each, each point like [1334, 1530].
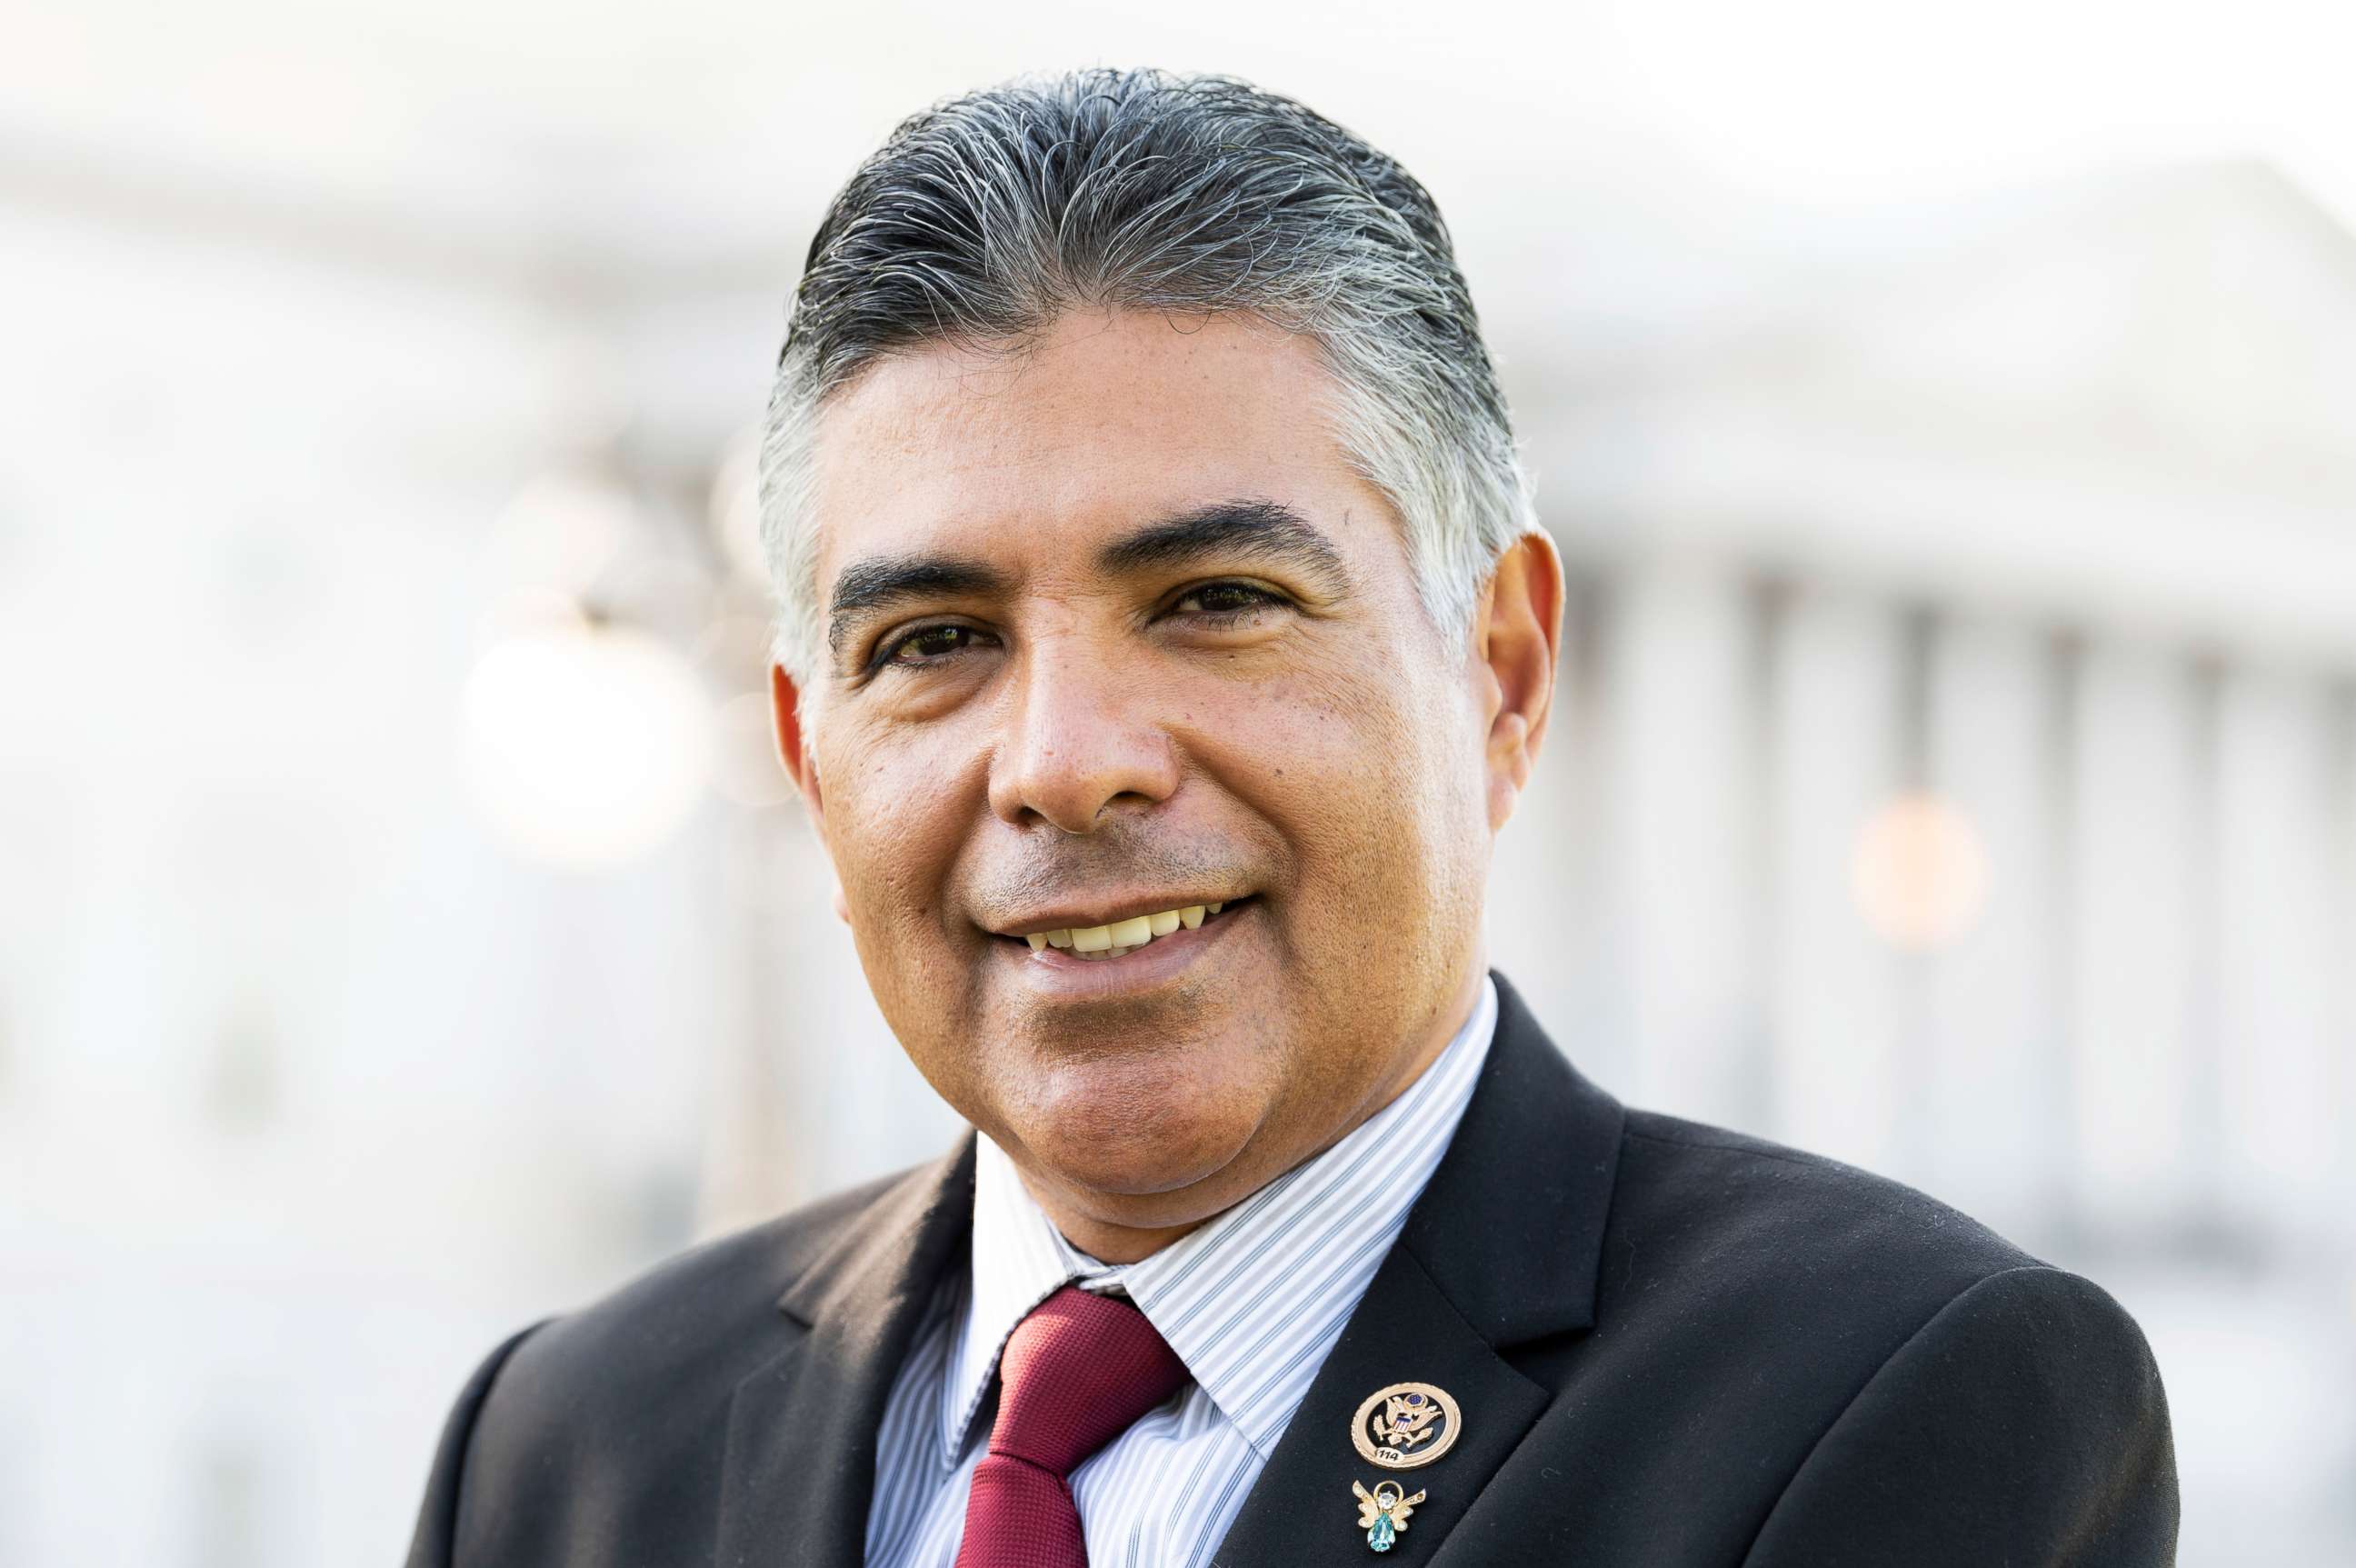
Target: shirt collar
[1217, 1295]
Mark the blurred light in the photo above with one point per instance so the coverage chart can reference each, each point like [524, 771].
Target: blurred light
[586, 746]
[1920, 875]
[562, 531]
[747, 768]
[242, 1090]
[521, 612]
[736, 648]
[588, 404]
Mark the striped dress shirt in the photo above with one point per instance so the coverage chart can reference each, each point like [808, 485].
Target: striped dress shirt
[1252, 1302]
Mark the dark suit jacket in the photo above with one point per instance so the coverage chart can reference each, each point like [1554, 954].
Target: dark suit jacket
[1670, 1345]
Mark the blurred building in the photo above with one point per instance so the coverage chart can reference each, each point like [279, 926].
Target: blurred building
[1963, 778]
[403, 933]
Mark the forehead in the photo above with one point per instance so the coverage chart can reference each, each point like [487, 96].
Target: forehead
[1106, 418]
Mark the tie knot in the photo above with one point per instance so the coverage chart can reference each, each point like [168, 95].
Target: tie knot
[1074, 1374]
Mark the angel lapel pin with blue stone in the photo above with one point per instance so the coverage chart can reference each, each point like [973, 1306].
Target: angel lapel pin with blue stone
[1382, 1513]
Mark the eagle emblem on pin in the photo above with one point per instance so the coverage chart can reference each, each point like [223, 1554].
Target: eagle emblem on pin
[1406, 1425]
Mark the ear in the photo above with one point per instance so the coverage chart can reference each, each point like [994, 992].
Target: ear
[1518, 637]
[801, 765]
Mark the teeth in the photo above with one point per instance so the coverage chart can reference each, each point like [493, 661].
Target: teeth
[1119, 937]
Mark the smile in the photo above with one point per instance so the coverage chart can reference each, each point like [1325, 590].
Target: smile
[1129, 957]
[1117, 938]
[1123, 936]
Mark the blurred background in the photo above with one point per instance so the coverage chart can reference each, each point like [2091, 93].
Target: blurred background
[1949, 413]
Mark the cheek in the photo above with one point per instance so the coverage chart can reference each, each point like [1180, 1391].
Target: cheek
[897, 805]
[1365, 773]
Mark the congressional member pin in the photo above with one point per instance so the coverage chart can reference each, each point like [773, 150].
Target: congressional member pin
[1406, 1424]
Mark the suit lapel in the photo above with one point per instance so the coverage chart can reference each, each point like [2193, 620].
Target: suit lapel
[1502, 1248]
[800, 1472]
[1301, 1509]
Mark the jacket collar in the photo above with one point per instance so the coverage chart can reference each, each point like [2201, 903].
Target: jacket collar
[800, 1465]
[894, 1249]
[1511, 1229]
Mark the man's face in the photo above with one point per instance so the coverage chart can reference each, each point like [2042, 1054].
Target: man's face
[1117, 632]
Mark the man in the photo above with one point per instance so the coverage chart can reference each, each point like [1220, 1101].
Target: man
[1164, 638]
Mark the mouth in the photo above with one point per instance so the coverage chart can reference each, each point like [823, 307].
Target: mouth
[1116, 939]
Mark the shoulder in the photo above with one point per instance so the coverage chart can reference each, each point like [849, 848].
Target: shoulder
[1826, 1275]
[2024, 1422]
[668, 1346]
[1813, 1271]
[1859, 1333]
[607, 1424]
[1759, 1213]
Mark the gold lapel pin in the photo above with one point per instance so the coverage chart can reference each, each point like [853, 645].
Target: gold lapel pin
[1406, 1425]
[1382, 1513]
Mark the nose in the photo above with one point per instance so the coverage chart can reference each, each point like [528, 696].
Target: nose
[1084, 738]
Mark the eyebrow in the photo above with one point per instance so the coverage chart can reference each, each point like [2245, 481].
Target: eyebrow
[1247, 530]
[1263, 530]
[866, 587]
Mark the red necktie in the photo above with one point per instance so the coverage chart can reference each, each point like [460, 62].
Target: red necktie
[1074, 1375]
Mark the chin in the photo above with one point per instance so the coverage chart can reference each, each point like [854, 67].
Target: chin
[1128, 1126]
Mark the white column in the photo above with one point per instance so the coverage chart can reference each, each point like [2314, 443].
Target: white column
[2135, 986]
[2340, 1018]
[2275, 927]
[1682, 849]
[1835, 1001]
[1995, 1078]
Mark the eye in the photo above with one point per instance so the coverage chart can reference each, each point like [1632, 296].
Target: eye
[1220, 602]
[935, 644]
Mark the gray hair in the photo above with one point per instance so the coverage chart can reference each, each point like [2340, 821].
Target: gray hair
[983, 218]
